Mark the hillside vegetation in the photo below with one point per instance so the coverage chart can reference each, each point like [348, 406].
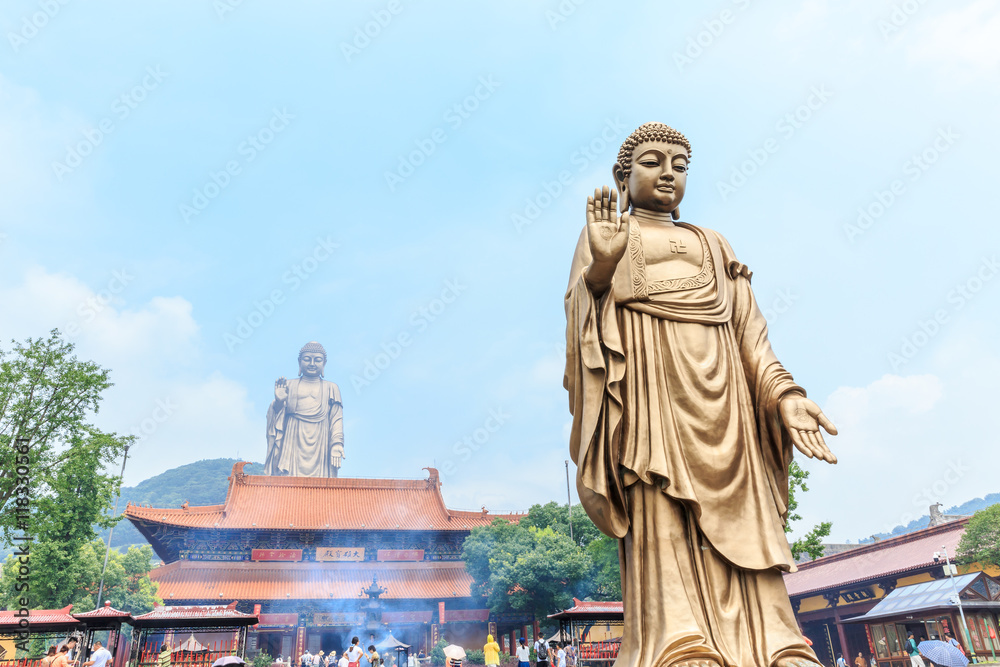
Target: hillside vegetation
[199, 483]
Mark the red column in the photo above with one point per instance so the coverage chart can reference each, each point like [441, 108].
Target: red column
[300, 644]
[840, 634]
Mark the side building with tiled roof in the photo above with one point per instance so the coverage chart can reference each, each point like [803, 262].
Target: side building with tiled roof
[297, 551]
[833, 596]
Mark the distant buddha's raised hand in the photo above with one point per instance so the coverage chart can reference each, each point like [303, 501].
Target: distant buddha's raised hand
[803, 418]
[608, 235]
[281, 390]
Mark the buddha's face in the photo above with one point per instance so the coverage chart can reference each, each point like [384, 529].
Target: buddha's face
[311, 365]
[658, 177]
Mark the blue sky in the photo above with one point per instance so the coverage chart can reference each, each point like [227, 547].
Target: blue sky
[196, 189]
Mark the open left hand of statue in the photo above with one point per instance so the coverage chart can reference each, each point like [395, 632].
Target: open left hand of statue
[802, 418]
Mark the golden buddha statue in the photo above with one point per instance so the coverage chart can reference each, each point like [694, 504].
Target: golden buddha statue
[683, 423]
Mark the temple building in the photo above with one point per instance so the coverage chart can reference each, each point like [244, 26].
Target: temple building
[299, 551]
[866, 599]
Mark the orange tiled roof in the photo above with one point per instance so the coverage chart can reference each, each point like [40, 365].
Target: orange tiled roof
[209, 580]
[882, 559]
[591, 607]
[107, 611]
[8, 619]
[263, 502]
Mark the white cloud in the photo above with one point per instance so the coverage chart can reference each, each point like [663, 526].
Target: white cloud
[182, 415]
[907, 442]
[960, 44]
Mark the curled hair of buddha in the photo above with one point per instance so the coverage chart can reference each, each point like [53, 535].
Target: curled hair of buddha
[312, 347]
[649, 132]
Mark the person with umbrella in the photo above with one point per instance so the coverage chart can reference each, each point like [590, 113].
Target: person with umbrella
[948, 639]
[454, 655]
[942, 654]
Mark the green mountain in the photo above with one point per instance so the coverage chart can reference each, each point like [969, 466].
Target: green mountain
[966, 508]
[200, 483]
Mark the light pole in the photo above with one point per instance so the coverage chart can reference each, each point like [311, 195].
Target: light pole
[569, 503]
[111, 531]
[958, 600]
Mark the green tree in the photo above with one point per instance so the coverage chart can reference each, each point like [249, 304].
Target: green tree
[47, 396]
[812, 542]
[605, 579]
[607, 575]
[980, 542]
[525, 568]
[126, 583]
[555, 516]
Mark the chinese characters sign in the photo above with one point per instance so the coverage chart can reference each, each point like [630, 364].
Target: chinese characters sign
[400, 554]
[338, 618]
[276, 554]
[333, 554]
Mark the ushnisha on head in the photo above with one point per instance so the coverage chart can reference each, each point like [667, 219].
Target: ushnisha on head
[651, 171]
[312, 360]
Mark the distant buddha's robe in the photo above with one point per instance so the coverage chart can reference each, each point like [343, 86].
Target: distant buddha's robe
[305, 434]
[681, 454]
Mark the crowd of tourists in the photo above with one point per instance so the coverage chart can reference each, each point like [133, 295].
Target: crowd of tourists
[351, 657]
[62, 656]
[547, 653]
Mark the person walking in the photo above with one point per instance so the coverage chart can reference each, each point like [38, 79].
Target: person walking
[570, 654]
[560, 655]
[523, 653]
[911, 648]
[491, 652]
[840, 660]
[99, 656]
[306, 659]
[541, 654]
[49, 657]
[860, 661]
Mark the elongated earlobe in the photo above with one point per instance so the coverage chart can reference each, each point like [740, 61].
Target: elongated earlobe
[618, 173]
[675, 214]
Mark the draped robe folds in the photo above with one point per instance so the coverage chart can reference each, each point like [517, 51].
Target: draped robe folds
[681, 454]
[302, 431]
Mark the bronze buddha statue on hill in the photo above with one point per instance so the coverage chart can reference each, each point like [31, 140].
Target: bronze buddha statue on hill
[305, 422]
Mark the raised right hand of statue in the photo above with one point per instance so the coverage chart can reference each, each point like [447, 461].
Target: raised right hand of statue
[281, 390]
[607, 232]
